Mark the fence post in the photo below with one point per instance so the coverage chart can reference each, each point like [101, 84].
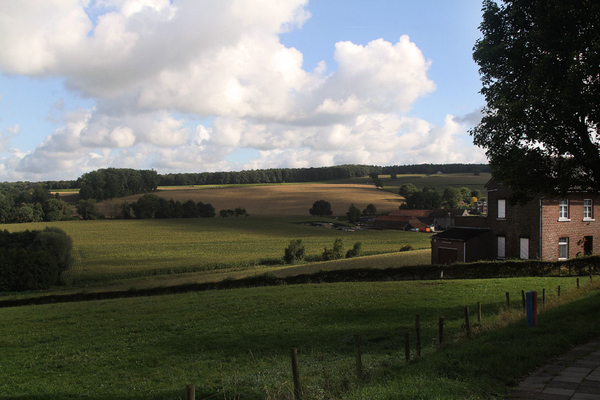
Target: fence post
[441, 330]
[523, 299]
[467, 326]
[358, 357]
[559, 291]
[190, 392]
[479, 311]
[507, 300]
[406, 347]
[418, 334]
[296, 373]
[577, 283]
[543, 297]
[532, 309]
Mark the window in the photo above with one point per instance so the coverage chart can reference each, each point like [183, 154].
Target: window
[563, 248]
[501, 209]
[563, 210]
[501, 246]
[588, 245]
[588, 210]
[524, 248]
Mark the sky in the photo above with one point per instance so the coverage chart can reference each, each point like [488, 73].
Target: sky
[230, 85]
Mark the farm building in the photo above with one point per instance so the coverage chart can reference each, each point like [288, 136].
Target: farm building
[547, 228]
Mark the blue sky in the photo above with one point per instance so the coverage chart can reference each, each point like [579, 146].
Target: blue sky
[191, 86]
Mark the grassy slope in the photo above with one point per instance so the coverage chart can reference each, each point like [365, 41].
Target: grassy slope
[237, 342]
[114, 249]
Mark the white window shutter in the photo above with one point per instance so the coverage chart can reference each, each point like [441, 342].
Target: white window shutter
[524, 253]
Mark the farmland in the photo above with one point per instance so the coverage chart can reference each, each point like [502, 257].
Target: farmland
[116, 249]
[235, 343]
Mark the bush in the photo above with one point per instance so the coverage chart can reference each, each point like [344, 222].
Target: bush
[406, 247]
[294, 252]
[33, 260]
[355, 251]
[334, 253]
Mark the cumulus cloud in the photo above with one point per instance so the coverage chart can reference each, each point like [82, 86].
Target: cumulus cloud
[153, 66]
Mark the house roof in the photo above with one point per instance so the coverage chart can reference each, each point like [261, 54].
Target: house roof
[415, 223]
[411, 213]
[454, 212]
[462, 234]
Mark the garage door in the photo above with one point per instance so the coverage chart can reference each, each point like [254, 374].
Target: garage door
[447, 256]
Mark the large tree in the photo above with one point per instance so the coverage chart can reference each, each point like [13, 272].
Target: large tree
[539, 62]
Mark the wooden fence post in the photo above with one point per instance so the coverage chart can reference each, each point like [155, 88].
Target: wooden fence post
[358, 357]
[507, 300]
[559, 291]
[418, 334]
[523, 299]
[406, 347]
[190, 392]
[467, 326]
[479, 312]
[441, 330]
[577, 283]
[296, 374]
[543, 297]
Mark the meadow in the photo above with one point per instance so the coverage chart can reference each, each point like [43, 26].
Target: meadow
[118, 249]
[235, 344]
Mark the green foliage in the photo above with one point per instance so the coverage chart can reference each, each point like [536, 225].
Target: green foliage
[465, 193]
[539, 65]
[451, 197]
[295, 252]
[146, 206]
[370, 210]
[355, 251]
[190, 209]
[87, 209]
[476, 193]
[428, 199]
[378, 183]
[239, 212]
[353, 214]
[321, 208]
[33, 260]
[226, 213]
[56, 210]
[111, 183]
[407, 190]
[335, 253]
[206, 210]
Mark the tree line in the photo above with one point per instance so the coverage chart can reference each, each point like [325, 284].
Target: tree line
[112, 183]
[276, 175]
[30, 202]
[431, 199]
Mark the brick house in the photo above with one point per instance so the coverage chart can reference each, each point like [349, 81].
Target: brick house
[547, 228]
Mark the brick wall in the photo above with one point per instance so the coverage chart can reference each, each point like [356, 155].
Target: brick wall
[575, 229]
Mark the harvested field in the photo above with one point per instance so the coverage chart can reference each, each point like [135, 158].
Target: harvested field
[276, 200]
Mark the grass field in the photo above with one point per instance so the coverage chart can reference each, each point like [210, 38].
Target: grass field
[116, 249]
[234, 344]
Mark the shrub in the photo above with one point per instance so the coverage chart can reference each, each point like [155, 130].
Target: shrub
[406, 247]
[33, 260]
[355, 251]
[294, 252]
[334, 253]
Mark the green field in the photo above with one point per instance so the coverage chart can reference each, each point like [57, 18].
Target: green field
[116, 249]
[235, 344]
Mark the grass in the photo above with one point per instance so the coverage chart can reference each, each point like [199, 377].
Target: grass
[118, 249]
[235, 343]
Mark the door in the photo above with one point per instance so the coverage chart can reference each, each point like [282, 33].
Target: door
[588, 245]
[447, 256]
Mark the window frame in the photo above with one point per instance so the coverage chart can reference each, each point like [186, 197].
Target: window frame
[588, 210]
[563, 243]
[502, 207]
[563, 210]
[501, 239]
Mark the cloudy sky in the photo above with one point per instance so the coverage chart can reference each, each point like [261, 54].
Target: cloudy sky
[219, 85]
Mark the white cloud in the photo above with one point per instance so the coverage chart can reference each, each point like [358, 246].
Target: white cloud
[153, 66]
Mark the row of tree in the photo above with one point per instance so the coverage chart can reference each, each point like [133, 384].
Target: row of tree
[112, 183]
[296, 251]
[276, 175]
[27, 202]
[151, 206]
[430, 199]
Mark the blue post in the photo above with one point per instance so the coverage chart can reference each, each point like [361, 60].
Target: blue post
[531, 300]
